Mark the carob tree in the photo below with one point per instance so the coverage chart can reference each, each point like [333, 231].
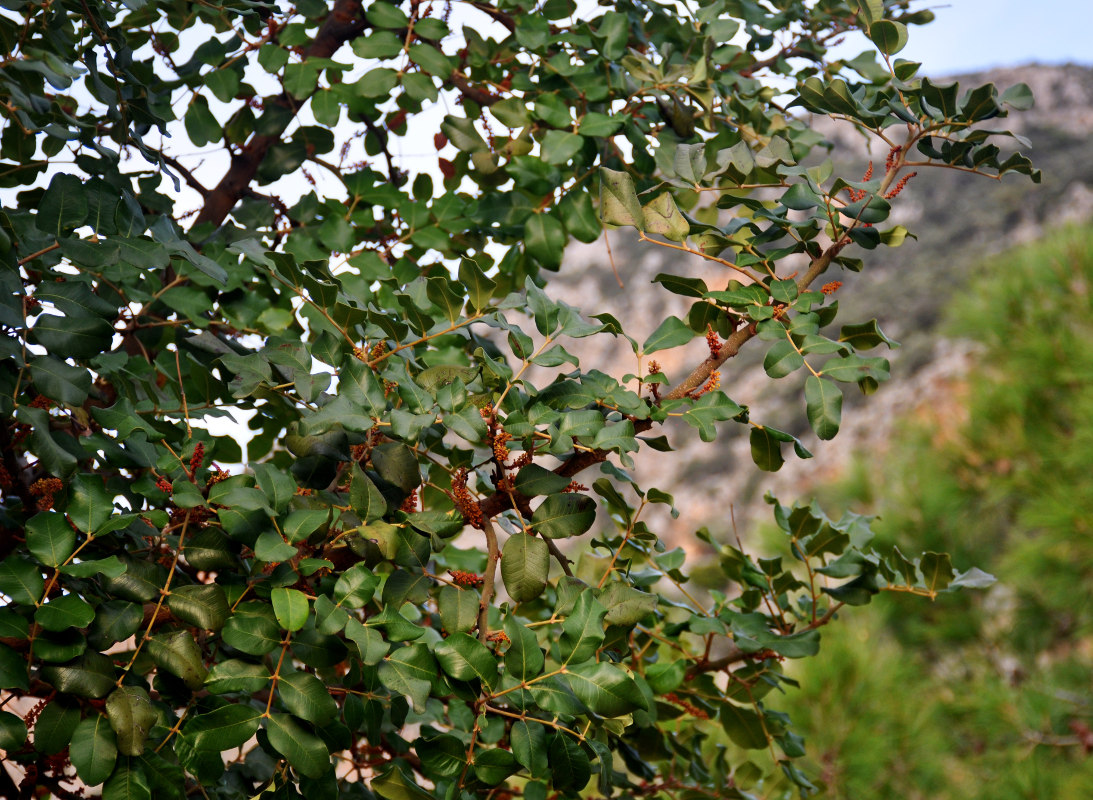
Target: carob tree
[396, 584]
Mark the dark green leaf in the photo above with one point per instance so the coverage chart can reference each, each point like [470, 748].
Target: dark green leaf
[560, 516]
[131, 716]
[823, 404]
[465, 658]
[525, 564]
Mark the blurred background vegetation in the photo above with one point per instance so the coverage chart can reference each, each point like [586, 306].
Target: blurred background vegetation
[986, 694]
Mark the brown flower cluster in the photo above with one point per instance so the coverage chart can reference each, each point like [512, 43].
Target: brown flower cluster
[713, 341]
[690, 708]
[496, 435]
[44, 489]
[461, 578]
[654, 368]
[831, 287]
[899, 186]
[892, 159]
[712, 383]
[197, 459]
[461, 496]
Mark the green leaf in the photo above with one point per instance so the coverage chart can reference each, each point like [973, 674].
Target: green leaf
[59, 381]
[533, 481]
[570, 766]
[662, 216]
[743, 726]
[179, 654]
[525, 565]
[605, 689]
[93, 751]
[225, 728]
[234, 675]
[782, 359]
[131, 715]
[443, 757]
[61, 613]
[545, 239]
[204, 607]
[1018, 97]
[307, 697]
[479, 287]
[524, 659]
[253, 634]
[385, 15]
[711, 408]
[393, 785]
[672, 332]
[55, 726]
[974, 578]
[561, 516]
[865, 336]
[619, 203]
[364, 498]
[626, 605]
[465, 658]
[766, 450]
[582, 631]
[300, 524]
[128, 782]
[396, 464]
[823, 404]
[90, 675]
[63, 206]
[13, 731]
[529, 745]
[355, 586]
[937, 571]
[305, 751]
[291, 607]
[458, 608]
[369, 642]
[50, 539]
[889, 36]
[20, 579]
[410, 671]
[494, 765]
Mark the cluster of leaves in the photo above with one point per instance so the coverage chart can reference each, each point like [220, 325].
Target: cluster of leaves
[377, 591]
[1004, 706]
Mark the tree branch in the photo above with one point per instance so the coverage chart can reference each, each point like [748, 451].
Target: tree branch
[502, 501]
[341, 25]
[489, 578]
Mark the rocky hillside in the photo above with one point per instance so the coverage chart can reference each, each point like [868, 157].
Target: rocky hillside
[964, 225]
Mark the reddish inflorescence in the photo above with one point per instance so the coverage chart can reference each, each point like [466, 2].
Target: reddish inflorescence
[712, 383]
[461, 496]
[44, 489]
[713, 341]
[831, 287]
[654, 368]
[461, 578]
[899, 186]
[198, 458]
[689, 707]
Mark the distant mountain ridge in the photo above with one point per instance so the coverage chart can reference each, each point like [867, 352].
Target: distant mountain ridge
[961, 221]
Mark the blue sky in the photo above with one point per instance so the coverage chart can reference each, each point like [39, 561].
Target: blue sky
[971, 35]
